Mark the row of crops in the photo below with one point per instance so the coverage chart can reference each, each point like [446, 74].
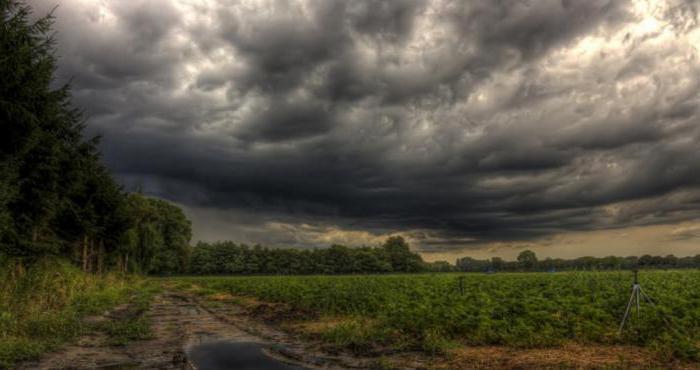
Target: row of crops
[520, 310]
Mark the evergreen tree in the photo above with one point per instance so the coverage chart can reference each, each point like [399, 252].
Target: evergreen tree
[56, 197]
[42, 133]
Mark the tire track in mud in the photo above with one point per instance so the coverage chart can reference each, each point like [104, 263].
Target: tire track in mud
[274, 343]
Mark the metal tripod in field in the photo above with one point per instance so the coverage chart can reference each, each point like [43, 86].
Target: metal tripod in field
[636, 298]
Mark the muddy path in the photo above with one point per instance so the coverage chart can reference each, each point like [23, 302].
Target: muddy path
[170, 325]
[187, 334]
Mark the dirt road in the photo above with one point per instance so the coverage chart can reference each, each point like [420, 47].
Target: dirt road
[180, 324]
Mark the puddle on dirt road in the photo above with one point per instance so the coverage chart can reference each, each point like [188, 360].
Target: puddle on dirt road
[220, 355]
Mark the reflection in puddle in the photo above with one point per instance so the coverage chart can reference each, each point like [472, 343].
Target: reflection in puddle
[222, 355]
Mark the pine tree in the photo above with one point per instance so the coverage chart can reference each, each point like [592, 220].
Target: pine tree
[55, 195]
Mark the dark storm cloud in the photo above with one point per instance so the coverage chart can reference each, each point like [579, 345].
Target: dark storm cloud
[457, 123]
[281, 121]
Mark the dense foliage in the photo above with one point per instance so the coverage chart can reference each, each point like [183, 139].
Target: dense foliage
[527, 261]
[158, 240]
[56, 197]
[230, 258]
[393, 256]
[521, 310]
[54, 190]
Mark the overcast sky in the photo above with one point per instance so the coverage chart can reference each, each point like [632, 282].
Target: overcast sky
[571, 127]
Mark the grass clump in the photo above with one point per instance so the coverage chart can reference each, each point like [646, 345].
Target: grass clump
[356, 334]
[131, 324]
[121, 332]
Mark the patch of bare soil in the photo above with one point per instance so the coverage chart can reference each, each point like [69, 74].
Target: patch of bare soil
[277, 313]
[570, 356]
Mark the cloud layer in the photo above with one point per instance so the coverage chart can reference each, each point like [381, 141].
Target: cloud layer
[456, 123]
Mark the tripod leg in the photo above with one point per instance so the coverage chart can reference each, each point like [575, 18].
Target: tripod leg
[661, 314]
[647, 298]
[627, 311]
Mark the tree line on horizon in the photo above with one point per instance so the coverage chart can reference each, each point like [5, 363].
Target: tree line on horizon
[394, 256]
[230, 258]
[527, 261]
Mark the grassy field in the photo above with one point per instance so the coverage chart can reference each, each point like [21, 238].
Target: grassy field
[42, 307]
[429, 312]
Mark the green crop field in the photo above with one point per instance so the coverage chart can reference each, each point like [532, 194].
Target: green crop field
[430, 312]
